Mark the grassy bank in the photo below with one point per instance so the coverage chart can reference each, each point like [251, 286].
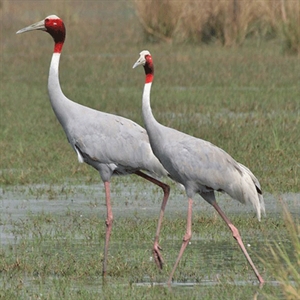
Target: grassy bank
[244, 100]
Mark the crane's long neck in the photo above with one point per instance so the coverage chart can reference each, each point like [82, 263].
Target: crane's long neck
[59, 101]
[150, 123]
[54, 88]
[147, 112]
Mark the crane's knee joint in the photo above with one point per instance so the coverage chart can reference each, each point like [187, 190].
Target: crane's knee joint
[108, 222]
[167, 189]
[187, 237]
[235, 232]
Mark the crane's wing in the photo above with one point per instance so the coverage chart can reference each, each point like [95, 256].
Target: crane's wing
[202, 166]
[102, 138]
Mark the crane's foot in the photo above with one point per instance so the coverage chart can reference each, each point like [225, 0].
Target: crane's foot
[104, 278]
[157, 256]
[261, 281]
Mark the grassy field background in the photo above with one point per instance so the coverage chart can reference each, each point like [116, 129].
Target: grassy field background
[243, 99]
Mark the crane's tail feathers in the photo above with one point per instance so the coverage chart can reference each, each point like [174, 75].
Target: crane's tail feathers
[258, 199]
[259, 206]
[262, 204]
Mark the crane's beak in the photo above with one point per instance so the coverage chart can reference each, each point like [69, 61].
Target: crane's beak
[140, 61]
[36, 26]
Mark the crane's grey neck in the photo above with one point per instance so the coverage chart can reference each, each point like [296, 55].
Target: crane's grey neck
[149, 120]
[60, 103]
[53, 80]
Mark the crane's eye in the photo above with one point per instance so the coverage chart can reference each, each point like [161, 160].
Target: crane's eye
[47, 20]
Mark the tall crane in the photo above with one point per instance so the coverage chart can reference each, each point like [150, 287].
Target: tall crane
[199, 166]
[111, 144]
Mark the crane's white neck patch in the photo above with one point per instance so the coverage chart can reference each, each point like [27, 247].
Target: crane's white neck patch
[55, 61]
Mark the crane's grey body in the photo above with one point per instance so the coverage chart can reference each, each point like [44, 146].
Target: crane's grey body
[111, 144]
[199, 166]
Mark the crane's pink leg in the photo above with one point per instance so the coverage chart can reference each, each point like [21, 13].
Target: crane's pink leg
[186, 238]
[156, 248]
[238, 238]
[108, 223]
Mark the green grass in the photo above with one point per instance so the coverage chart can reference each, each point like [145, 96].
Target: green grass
[287, 263]
[58, 254]
[245, 100]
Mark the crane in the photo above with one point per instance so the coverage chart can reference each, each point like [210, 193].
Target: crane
[111, 144]
[199, 166]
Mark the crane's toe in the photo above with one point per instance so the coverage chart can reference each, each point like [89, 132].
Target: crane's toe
[157, 256]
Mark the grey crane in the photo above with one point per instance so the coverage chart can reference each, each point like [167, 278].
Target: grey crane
[199, 166]
[111, 144]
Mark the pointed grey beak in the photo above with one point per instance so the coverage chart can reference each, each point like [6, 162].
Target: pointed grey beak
[139, 62]
[36, 26]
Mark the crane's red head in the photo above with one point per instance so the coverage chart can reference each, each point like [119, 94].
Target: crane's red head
[54, 26]
[146, 61]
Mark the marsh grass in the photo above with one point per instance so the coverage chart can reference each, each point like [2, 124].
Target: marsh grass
[227, 22]
[244, 101]
[58, 252]
[285, 264]
[289, 28]
[59, 255]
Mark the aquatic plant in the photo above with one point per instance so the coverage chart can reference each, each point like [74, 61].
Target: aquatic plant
[283, 267]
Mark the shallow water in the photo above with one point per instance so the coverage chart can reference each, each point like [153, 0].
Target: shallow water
[142, 201]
